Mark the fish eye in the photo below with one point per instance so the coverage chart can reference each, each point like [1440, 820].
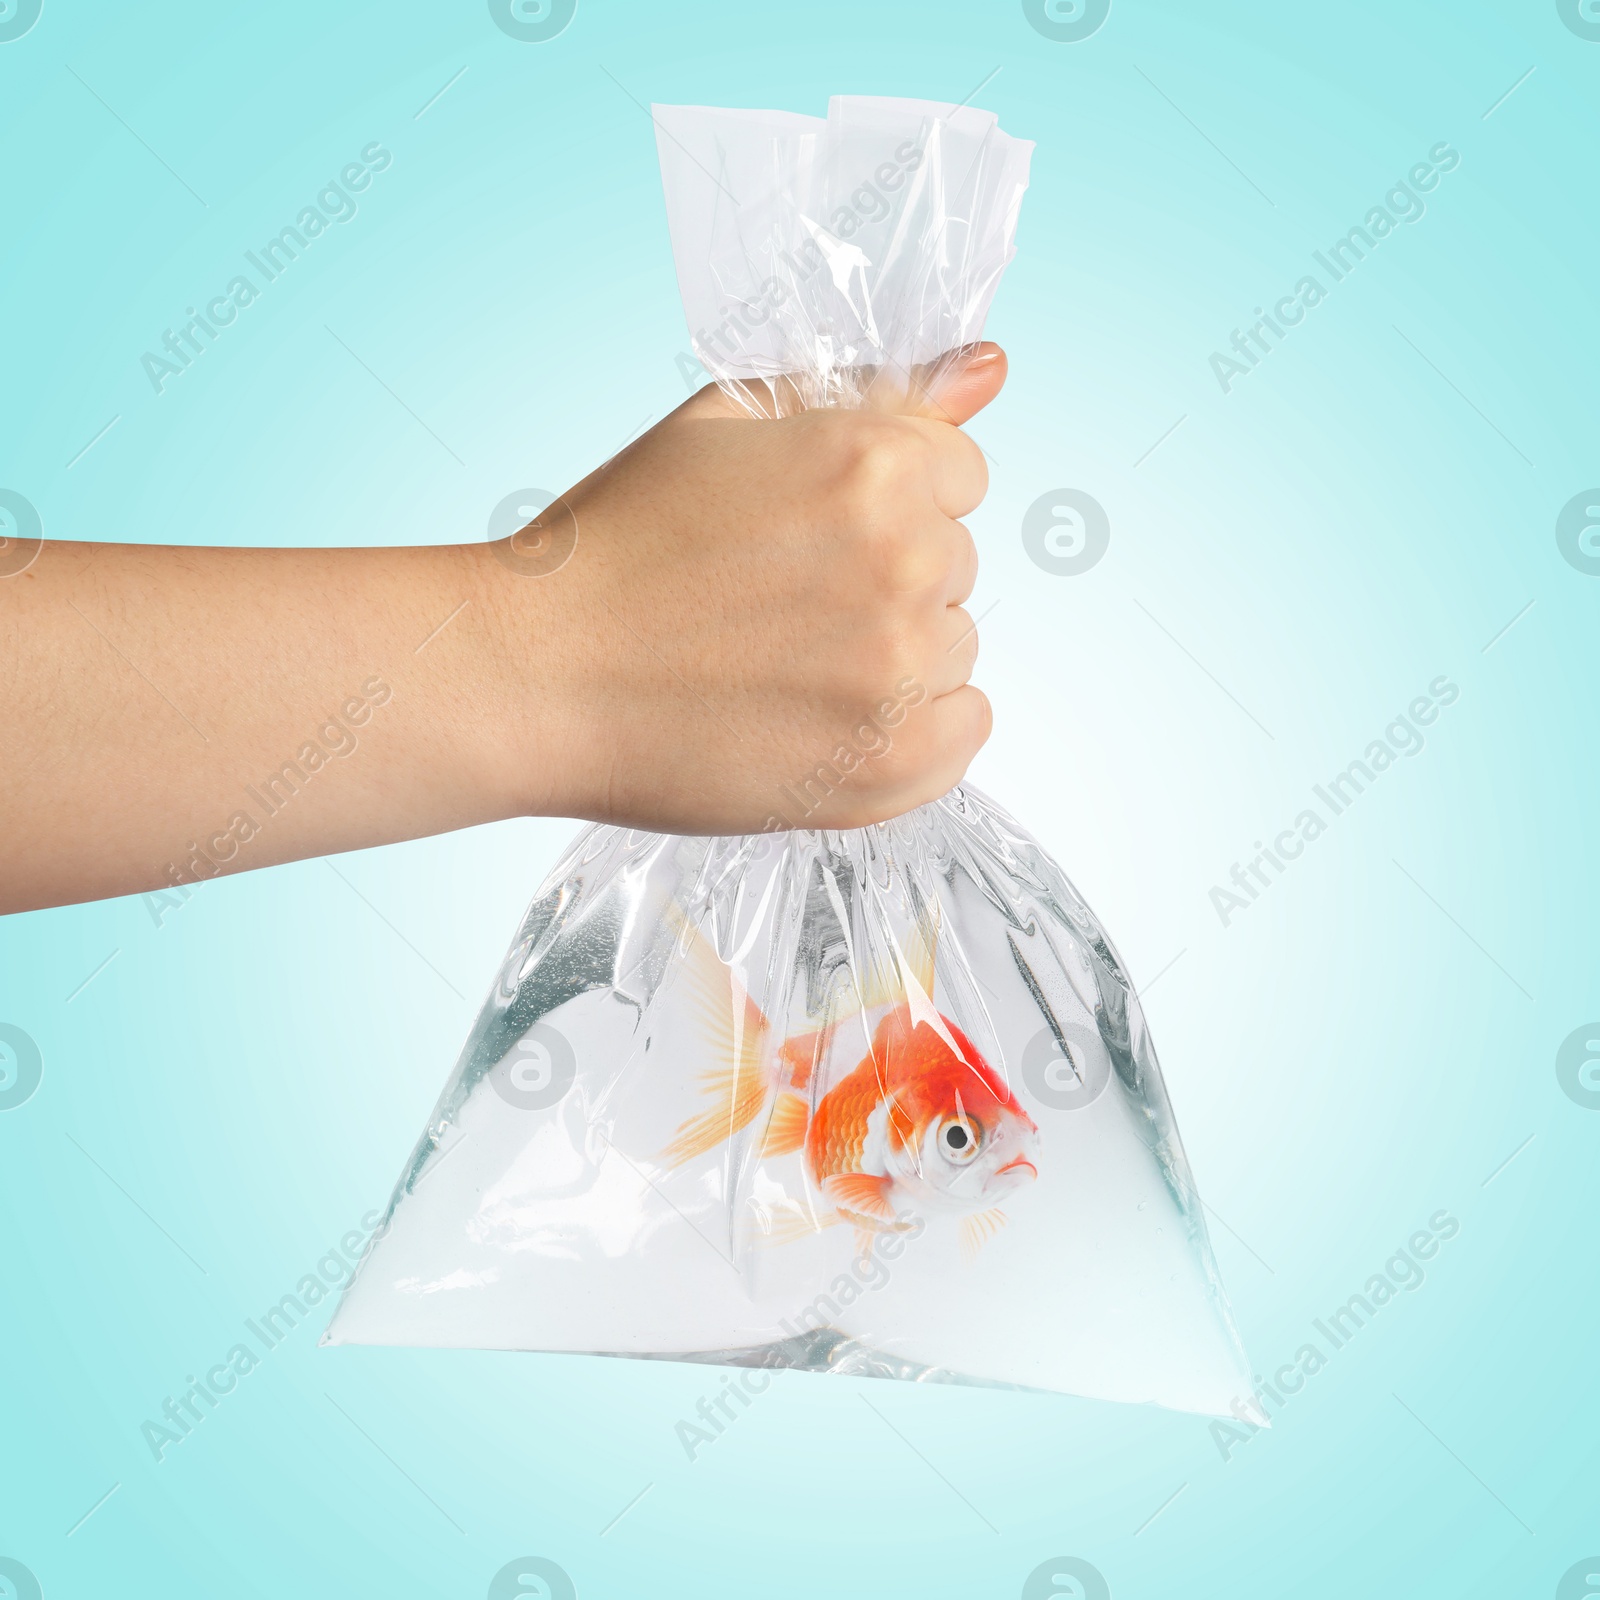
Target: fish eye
[959, 1140]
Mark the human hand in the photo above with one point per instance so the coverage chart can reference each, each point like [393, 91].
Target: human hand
[758, 624]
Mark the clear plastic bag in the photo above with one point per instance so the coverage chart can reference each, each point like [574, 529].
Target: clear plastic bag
[878, 1102]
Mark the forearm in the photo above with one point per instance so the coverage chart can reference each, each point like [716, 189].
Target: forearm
[169, 714]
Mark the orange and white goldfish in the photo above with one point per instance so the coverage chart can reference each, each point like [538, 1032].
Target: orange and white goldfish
[922, 1122]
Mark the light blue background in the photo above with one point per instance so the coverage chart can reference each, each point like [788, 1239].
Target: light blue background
[1363, 1046]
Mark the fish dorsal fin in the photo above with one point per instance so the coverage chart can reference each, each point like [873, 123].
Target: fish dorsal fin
[906, 973]
[800, 1055]
[979, 1228]
[922, 949]
[731, 1024]
[734, 1032]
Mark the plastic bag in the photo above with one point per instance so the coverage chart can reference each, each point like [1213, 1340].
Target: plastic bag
[877, 1102]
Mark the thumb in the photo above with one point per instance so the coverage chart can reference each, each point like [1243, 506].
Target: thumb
[967, 384]
[972, 381]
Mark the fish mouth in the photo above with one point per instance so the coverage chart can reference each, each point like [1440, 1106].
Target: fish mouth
[1016, 1164]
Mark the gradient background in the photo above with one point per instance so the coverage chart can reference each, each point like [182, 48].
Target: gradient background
[1295, 561]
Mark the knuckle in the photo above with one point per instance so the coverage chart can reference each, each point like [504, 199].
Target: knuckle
[966, 554]
[979, 469]
[907, 736]
[866, 813]
[885, 656]
[878, 457]
[905, 766]
[963, 653]
[982, 717]
[907, 562]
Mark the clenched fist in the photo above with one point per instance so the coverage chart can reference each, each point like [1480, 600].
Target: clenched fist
[757, 623]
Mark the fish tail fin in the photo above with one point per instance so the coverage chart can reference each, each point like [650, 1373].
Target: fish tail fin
[977, 1229]
[735, 1031]
[786, 1131]
[736, 1097]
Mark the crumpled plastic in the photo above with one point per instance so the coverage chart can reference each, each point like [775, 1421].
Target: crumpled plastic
[878, 1102]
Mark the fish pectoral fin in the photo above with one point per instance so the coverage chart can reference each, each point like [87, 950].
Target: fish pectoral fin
[977, 1229]
[787, 1225]
[786, 1129]
[861, 1192]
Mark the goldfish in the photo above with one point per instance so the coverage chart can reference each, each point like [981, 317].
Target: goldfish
[921, 1122]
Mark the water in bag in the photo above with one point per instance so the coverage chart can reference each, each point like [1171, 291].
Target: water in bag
[878, 1102]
